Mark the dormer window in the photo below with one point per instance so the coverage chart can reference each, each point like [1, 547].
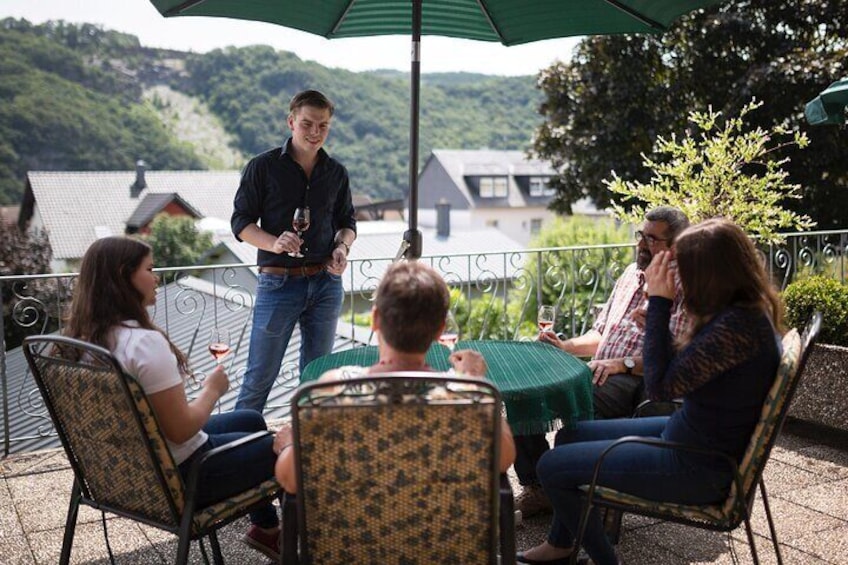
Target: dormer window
[539, 187]
[493, 187]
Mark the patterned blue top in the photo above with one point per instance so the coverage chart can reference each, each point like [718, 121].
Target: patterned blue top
[723, 375]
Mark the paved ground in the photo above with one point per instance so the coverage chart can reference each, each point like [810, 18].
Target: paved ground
[807, 479]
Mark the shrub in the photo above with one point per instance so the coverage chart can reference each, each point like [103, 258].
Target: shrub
[827, 295]
[729, 170]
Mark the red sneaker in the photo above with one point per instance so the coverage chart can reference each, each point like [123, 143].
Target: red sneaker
[267, 544]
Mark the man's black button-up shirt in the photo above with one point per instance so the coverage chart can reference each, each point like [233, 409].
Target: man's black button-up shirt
[273, 185]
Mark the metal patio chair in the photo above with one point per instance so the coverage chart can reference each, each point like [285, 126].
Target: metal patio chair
[399, 468]
[727, 514]
[118, 453]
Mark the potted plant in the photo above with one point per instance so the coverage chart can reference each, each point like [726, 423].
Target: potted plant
[825, 378]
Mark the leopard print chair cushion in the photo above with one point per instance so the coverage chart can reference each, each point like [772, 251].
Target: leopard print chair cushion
[99, 421]
[116, 468]
[398, 483]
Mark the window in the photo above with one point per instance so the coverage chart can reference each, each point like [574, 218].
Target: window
[539, 187]
[493, 187]
[535, 225]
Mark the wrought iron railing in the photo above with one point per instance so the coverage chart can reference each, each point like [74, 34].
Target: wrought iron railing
[495, 296]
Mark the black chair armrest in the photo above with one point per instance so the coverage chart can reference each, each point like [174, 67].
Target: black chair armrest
[666, 406]
[197, 465]
[254, 437]
[663, 444]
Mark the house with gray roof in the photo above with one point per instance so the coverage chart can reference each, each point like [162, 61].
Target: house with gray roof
[489, 188]
[154, 203]
[459, 253]
[78, 207]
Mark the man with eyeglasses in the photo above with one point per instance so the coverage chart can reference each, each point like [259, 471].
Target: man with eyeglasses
[615, 345]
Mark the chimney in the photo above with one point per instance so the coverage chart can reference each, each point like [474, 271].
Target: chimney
[139, 184]
[443, 218]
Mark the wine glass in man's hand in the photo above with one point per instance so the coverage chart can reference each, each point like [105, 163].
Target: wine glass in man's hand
[300, 223]
[547, 315]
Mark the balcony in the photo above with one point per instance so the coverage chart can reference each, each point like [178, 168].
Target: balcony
[496, 295]
[807, 479]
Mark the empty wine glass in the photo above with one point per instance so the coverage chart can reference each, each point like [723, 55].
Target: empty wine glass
[300, 223]
[450, 333]
[219, 343]
[546, 317]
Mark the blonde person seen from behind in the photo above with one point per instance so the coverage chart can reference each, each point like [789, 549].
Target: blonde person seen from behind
[109, 308]
[408, 315]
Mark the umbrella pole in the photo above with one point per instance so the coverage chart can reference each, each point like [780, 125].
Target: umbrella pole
[411, 246]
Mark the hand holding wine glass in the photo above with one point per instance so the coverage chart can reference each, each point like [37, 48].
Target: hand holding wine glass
[300, 223]
[450, 333]
[546, 317]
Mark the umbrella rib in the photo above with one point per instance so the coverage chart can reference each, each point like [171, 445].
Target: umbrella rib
[633, 13]
[342, 17]
[491, 22]
[179, 8]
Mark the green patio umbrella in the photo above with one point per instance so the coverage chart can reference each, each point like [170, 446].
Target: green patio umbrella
[511, 22]
[829, 106]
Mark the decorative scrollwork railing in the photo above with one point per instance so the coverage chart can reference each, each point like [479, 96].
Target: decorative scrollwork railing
[495, 296]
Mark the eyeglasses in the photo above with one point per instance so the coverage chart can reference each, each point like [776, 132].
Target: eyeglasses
[650, 239]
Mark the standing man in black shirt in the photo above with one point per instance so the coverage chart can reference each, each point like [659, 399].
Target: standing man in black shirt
[300, 266]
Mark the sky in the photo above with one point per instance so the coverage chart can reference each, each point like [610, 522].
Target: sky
[202, 34]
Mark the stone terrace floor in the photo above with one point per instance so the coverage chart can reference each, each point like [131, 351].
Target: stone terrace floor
[807, 480]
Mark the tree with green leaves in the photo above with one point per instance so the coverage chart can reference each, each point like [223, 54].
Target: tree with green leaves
[727, 171]
[606, 108]
[176, 241]
[572, 280]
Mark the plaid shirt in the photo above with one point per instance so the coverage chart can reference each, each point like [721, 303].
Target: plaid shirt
[620, 336]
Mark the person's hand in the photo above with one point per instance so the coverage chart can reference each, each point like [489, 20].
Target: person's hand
[284, 437]
[553, 339]
[603, 368]
[338, 261]
[639, 315]
[469, 363]
[217, 381]
[659, 277]
[288, 242]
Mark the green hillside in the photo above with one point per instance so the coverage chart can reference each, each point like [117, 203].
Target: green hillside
[78, 97]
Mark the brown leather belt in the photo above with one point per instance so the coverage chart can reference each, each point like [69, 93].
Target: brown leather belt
[304, 271]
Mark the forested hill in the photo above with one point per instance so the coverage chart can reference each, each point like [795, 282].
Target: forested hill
[80, 97]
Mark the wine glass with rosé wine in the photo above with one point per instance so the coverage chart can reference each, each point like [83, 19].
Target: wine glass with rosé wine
[546, 317]
[450, 334]
[219, 343]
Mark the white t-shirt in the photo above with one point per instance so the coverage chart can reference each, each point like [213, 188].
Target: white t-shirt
[146, 355]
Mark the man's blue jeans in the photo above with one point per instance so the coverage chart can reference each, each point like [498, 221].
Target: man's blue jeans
[281, 301]
[648, 472]
[239, 469]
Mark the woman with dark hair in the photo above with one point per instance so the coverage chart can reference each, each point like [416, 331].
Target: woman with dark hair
[115, 286]
[723, 368]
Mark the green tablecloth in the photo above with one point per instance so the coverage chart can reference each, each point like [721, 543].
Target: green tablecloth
[543, 388]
